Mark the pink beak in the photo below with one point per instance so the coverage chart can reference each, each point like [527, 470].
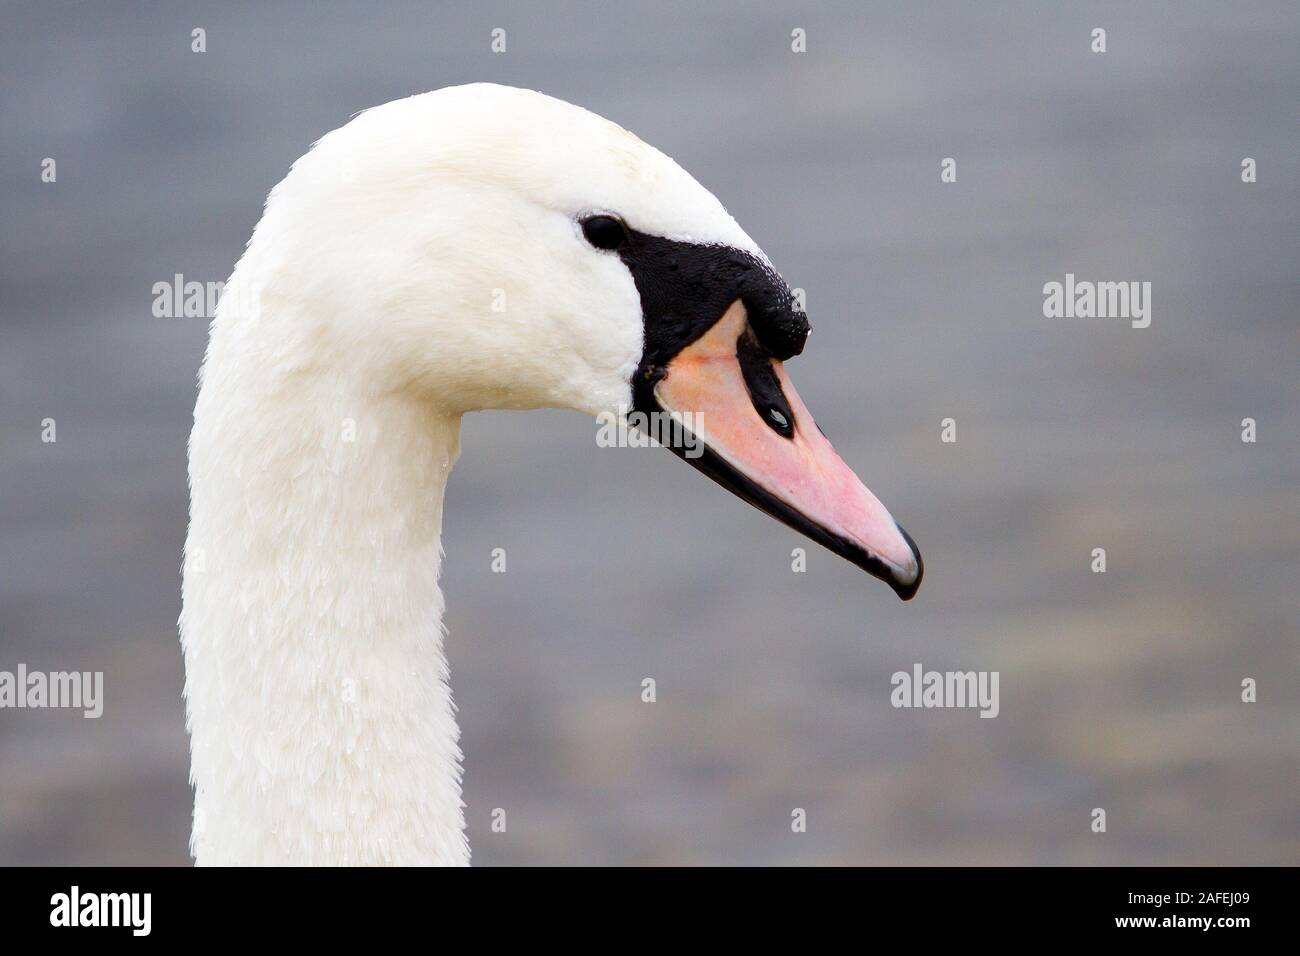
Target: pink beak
[762, 443]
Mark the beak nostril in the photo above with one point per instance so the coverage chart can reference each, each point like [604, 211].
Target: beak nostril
[759, 372]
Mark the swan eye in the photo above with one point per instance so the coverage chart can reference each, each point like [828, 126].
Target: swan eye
[604, 232]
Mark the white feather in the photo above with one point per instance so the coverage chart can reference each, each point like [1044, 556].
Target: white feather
[369, 305]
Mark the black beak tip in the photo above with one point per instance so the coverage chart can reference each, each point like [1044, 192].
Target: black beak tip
[908, 591]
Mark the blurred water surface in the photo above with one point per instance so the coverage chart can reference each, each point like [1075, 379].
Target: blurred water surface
[1118, 690]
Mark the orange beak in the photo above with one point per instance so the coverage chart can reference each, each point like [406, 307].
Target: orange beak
[761, 442]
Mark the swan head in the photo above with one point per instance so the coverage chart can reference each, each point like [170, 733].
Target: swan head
[489, 247]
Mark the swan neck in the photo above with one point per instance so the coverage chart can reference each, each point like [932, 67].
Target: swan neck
[322, 725]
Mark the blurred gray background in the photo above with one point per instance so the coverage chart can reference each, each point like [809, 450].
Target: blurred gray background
[1118, 690]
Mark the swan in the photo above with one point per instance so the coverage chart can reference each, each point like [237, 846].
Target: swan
[476, 247]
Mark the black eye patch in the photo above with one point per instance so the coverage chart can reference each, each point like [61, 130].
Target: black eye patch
[685, 288]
